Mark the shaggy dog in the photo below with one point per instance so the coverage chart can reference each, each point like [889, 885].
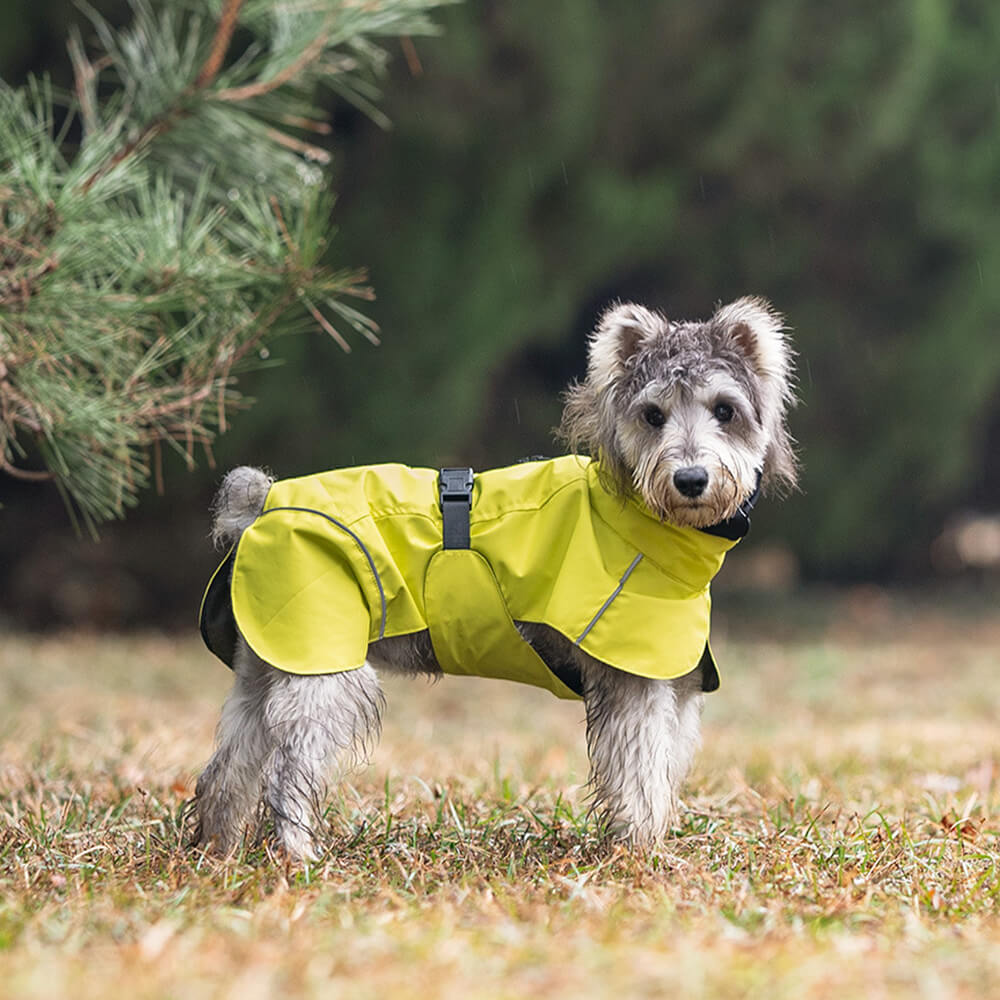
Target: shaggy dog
[587, 576]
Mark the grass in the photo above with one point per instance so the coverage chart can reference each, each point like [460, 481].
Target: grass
[840, 835]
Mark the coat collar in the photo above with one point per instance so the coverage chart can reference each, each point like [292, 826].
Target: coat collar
[686, 554]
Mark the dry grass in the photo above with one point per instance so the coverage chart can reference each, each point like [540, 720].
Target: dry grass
[840, 838]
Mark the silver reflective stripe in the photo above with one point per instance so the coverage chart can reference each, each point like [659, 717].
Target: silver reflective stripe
[604, 607]
[360, 544]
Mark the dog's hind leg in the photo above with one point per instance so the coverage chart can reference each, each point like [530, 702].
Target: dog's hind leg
[311, 721]
[641, 735]
[229, 788]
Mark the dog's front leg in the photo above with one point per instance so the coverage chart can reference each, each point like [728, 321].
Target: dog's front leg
[311, 721]
[641, 735]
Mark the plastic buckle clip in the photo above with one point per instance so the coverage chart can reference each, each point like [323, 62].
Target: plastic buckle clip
[455, 489]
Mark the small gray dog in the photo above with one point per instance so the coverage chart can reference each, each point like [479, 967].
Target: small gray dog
[606, 599]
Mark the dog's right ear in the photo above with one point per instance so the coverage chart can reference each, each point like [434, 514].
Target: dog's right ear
[619, 334]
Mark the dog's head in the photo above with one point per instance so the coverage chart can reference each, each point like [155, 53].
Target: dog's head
[687, 415]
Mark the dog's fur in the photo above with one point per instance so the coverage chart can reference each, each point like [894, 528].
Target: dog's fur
[684, 415]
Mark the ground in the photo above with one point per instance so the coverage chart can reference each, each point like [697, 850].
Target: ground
[839, 837]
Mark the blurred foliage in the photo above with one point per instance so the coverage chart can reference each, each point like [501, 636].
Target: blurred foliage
[161, 224]
[842, 160]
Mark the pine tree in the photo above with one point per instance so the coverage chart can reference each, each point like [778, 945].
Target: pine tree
[165, 222]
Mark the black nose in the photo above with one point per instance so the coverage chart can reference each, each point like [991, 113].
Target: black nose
[691, 481]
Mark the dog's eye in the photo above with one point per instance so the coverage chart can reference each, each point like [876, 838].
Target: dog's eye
[654, 416]
[723, 412]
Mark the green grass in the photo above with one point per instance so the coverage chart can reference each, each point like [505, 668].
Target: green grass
[840, 835]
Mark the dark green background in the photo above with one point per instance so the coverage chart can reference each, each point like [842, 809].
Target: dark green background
[841, 159]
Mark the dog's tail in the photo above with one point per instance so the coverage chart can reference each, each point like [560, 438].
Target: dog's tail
[239, 500]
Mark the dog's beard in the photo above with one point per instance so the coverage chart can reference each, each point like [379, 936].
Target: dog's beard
[719, 502]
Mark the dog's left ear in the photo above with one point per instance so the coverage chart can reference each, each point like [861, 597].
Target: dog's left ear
[757, 331]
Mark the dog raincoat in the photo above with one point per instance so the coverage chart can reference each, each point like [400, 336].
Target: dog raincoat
[341, 559]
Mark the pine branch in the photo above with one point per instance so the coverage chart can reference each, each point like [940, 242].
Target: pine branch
[220, 43]
[142, 271]
[289, 73]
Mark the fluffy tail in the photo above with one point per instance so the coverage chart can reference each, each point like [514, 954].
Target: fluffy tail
[239, 500]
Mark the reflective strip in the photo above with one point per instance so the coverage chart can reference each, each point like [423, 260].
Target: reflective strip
[361, 545]
[604, 607]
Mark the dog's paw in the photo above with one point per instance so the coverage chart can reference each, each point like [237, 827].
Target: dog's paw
[296, 843]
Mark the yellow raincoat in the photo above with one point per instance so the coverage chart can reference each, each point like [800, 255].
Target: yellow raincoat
[341, 559]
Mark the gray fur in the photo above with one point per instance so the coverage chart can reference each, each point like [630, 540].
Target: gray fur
[278, 737]
[280, 733]
[239, 500]
[639, 358]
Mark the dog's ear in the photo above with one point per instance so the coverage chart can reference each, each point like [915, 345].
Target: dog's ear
[619, 334]
[590, 412]
[757, 331]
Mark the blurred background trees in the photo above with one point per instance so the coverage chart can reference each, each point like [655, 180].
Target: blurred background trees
[843, 160]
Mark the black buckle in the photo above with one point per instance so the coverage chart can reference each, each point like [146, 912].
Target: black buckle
[456, 484]
[455, 488]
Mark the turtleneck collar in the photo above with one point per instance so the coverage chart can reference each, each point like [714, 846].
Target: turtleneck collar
[687, 554]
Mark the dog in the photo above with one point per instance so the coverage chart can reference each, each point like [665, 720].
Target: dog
[585, 575]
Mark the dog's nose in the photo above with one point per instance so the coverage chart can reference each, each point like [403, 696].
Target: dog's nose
[691, 481]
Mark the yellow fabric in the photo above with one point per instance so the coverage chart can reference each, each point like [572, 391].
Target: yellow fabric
[548, 544]
[479, 637]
